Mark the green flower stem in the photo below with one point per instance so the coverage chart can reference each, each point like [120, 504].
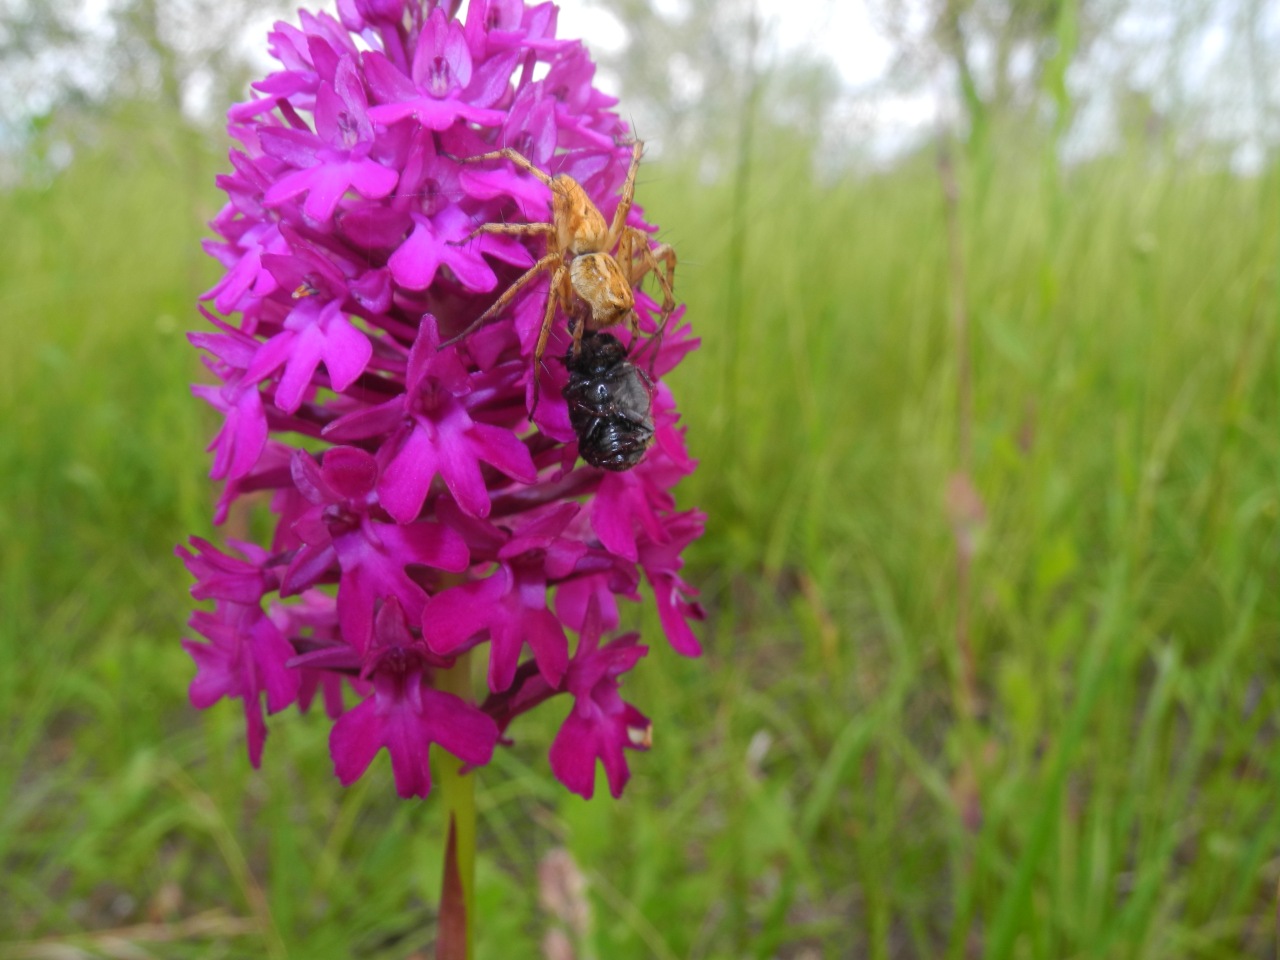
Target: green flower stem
[458, 791]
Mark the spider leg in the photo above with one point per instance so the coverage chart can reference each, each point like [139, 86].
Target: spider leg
[519, 159]
[661, 260]
[628, 196]
[626, 264]
[577, 318]
[513, 229]
[579, 328]
[546, 263]
[548, 317]
[626, 257]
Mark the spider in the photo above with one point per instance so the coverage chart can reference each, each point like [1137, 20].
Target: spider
[579, 259]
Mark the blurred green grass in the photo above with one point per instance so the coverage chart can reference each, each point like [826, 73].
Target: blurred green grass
[815, 789]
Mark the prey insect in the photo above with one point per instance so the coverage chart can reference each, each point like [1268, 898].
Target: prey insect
[610, 403]
[594, 264]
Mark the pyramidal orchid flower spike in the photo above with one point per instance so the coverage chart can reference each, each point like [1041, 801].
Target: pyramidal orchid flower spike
[420, 510]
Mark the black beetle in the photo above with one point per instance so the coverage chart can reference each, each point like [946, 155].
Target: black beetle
[610, 403]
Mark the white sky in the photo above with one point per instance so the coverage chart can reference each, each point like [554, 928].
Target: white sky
[877, 117]
[871, 113]
[841, 29]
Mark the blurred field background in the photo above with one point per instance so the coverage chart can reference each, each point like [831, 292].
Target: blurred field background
[989, 430]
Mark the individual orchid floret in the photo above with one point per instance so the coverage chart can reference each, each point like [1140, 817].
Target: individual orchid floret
[432, 432]
[220, 576]
[439, 90]
[601, 725]
[661, 563]
[313, 332]
[245, 657]
[240, 442]
[335, 159]
[436, 243]
[406, 714]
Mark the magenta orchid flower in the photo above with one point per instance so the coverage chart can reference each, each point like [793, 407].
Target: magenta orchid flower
[420, 510]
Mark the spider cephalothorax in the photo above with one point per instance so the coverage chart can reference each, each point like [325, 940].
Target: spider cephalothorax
[581, 258]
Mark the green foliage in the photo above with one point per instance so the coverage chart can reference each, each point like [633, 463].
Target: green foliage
[813, 783]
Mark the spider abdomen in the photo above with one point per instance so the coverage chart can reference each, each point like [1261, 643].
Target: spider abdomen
[598, 281]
